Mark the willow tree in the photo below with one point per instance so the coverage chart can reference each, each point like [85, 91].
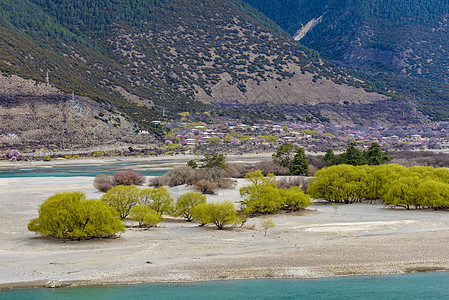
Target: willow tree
[219, 214]
[122, 198]
[158, 199]
[261, 195]
[71, 215]
[340, 183]
[186, 202]
[145, 215]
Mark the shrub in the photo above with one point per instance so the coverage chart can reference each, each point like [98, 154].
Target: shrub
[264, 198]
[227, 183]
[213, 174]
[122, 198]
[219, 214]
[128, 177]
[287, 182]
[70, 215]
[270, 167]
[178, 176]
[205, 186]
[47, 158]
[13, 155]
[103, 182]
[340, 183]
[156, 181]
[98, 153]
[186, 202]
[239, 170]
[145, 215]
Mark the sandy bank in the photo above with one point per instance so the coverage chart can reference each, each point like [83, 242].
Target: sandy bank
[358, 239]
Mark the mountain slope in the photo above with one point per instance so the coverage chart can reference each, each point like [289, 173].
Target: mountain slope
[401, 45]
[145, 56]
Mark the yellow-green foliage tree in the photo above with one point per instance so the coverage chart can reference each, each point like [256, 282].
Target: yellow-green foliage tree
[381, 177]
[71, 215]
[145, 215]
[263, 196]
[122, 198]
[340, 183]
[433, 193]
[186, 202]
[157, 199]
[402, 192]
[419, 186]
[294, 198]
[267, 224]
[219, 214]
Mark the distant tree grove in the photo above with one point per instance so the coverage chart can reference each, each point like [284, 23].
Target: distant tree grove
[353, 156]
[418, 186]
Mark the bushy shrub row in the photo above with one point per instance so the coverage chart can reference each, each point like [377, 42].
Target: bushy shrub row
[206, 180]
[420, 187]
[287, 182]
[103, 182]
[266, 167]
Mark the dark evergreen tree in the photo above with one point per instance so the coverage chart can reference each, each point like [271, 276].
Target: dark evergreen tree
[352, 156]
[330, 157]
[284, 155]
[211, 160]
[375, 156]
[299, 165]
[192, 164]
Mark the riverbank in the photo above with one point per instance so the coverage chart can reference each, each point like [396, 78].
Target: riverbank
[357, 239]
[155, 162]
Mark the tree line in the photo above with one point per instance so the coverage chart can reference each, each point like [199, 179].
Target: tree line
[418, 186]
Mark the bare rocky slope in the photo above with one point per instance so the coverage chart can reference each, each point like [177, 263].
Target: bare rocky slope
[40, 117]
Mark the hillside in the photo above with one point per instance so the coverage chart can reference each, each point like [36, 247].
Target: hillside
[39, 117]
[398, 45]
[142, 57]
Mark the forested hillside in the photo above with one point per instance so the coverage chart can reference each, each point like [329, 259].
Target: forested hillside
[143, 57]
[400, 45]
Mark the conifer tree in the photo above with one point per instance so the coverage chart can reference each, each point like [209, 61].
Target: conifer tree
[299, 165]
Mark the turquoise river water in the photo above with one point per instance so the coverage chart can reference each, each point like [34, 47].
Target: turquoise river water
[409, 286]
[79, 170]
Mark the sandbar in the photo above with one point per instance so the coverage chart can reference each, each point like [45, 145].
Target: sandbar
[355, 239]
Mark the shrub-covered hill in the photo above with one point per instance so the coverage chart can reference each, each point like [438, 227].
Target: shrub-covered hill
[400, 45]
[185, 55]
